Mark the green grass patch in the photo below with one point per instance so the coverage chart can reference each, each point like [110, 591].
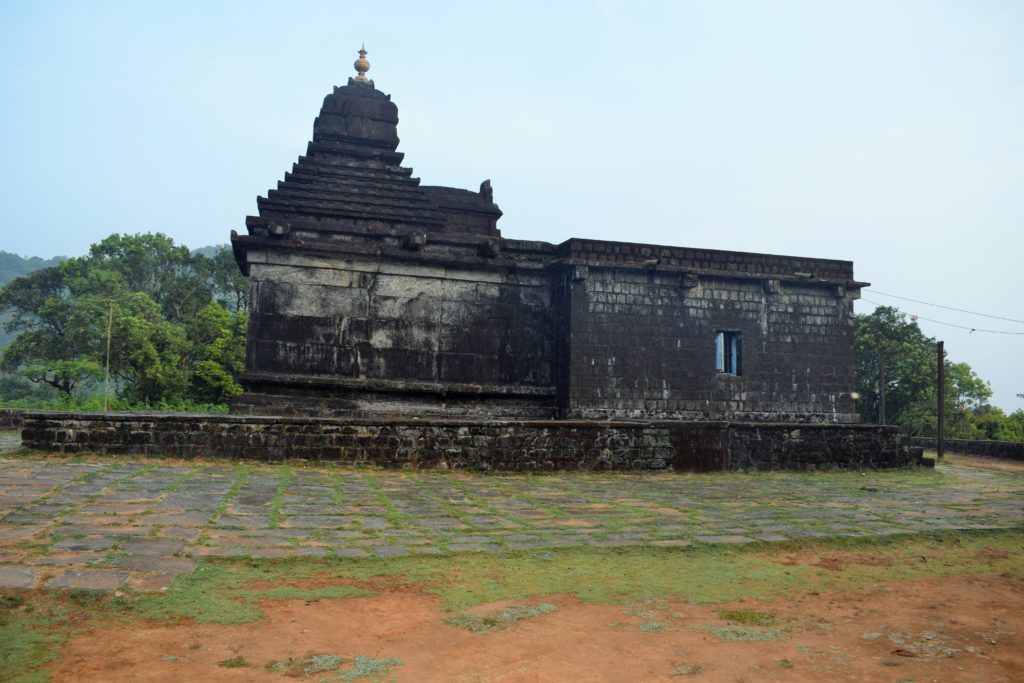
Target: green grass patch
[654, 627]
[31, 634]
[343, 669]
[482, 622]
[233, 663]
[736, 633]
[306, 666]
[748, 617]
[221, 592]
[367, 667]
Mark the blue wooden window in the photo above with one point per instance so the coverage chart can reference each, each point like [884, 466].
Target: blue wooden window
[727, 353]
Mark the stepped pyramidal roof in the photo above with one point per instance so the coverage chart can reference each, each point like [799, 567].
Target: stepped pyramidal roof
[351, 178]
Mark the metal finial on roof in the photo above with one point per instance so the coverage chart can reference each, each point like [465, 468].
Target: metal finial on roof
[362, 66]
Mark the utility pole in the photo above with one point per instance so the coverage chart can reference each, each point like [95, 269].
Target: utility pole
[941, 436]
[106, 376]
[881, 388]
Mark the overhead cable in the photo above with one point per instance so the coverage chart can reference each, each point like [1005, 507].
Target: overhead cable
[948, 308]
[939, 322]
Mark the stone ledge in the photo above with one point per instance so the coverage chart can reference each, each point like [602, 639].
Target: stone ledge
[1011, 450]
[515, 445]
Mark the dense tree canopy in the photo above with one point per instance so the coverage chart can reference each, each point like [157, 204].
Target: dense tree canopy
[911, 369]
[176, 322]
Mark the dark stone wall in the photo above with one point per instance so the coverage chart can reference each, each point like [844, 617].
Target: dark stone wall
[1011, 450]
[735, 262]
[816, 446]
[408, 327]
[11, 419]
[640, 343]
[447, 444]
[473, 444]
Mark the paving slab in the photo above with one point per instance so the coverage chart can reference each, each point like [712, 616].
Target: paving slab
[157, 563]
[17, 577]
[148, 546]
[89, 579]
[317, 521]
[88, 543]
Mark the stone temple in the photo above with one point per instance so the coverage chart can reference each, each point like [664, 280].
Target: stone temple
[392, 324]
[376, 295]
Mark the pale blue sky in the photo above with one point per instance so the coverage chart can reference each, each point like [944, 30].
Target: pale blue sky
[887, 133]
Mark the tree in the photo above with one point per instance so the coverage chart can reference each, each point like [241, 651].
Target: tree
[220, 336]
[992, 423]
[230, 287]
[169, 341]
[152, 264]
[911, 368]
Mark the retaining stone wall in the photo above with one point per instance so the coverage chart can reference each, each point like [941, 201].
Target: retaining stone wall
[542, 445]
[472, 444]
[1011, 450]
[10, 419]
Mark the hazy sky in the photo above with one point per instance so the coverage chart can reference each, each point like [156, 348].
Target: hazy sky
[886, 133]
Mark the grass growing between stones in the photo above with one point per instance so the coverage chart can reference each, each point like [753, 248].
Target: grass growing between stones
[33, 624]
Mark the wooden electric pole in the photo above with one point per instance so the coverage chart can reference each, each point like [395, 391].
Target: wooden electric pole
[941, 436]
[881, 388]
[106, 375]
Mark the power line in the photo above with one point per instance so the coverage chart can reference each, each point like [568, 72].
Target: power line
[948, 308]
[939, 322]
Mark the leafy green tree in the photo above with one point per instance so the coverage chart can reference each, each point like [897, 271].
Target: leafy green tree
[909, 362]
[169, 341]
[911, 370]
[152, 264]
[38, 309]
[220, 336]
[230, 287]
[993, 423]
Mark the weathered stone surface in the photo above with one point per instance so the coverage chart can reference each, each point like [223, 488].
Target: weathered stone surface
[157, 563]
[467, 444]
[88, 543]
[89, 579]
[152, 546]
[17, 577]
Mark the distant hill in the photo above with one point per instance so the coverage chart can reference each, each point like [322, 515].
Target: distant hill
[12, 265]
[210, 252]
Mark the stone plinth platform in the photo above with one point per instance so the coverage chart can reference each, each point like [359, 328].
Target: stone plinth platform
[526, 445]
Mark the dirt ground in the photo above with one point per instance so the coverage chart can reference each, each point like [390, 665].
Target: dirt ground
[958, 628]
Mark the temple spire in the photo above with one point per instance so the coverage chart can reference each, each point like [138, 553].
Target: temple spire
[362, 66]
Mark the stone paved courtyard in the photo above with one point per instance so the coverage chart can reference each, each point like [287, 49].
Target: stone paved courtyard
[139, 522]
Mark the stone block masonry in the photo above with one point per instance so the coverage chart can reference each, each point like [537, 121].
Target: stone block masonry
[10, 419]
[539, 445]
